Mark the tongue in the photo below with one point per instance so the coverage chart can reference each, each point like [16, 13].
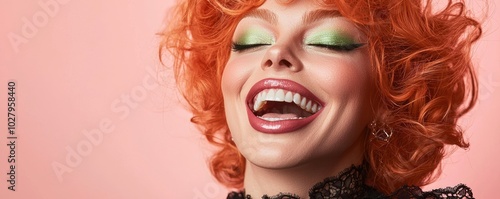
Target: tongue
[280, 116]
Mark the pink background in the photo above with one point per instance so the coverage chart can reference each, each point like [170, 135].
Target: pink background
[90, 66]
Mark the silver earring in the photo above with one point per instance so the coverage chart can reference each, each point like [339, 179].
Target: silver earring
[381, 131]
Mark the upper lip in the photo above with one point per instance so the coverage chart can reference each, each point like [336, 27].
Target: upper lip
[284, 84]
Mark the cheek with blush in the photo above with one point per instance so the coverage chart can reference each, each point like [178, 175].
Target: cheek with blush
[234, 78]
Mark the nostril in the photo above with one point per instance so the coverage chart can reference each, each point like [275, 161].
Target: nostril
[285, 62]
[268, 63]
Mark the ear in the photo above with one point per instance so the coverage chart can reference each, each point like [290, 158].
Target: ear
[378, 110]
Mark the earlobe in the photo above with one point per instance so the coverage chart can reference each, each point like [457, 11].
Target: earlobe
[379, 127]
[380, 130]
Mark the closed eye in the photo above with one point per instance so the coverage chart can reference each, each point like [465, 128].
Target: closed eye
[244, 47]
[341, 48]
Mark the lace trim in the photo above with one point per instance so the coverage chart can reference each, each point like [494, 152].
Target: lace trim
[350, 184]
[347, 184]
[241, 195]
[460, 191]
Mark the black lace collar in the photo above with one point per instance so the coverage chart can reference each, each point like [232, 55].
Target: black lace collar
[350, 184]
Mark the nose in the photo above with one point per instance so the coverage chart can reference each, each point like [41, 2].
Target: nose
[281, 57]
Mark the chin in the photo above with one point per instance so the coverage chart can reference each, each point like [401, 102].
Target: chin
[281, 151]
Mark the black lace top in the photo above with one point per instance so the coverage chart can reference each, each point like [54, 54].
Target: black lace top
[349, 184]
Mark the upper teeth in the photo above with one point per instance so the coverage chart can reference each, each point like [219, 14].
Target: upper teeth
[280, 95]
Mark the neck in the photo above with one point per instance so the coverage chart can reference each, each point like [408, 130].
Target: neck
[298, 180]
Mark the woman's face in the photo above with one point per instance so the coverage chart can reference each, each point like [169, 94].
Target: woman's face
[297, 86]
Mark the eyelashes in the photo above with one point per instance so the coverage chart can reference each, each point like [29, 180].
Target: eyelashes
[340, 48]
[335, 41]
[252, 39]
[333, 47]
[244, 47]
[332, 40]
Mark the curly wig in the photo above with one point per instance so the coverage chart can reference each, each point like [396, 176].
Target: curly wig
[420, 58]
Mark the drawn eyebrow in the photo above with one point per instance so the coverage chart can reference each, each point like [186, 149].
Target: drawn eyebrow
[309, 17]
[316, 15]
[264, 14]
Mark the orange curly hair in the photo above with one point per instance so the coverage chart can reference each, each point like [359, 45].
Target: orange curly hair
[421, 59]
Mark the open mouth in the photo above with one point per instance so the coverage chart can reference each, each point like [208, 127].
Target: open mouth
[280, 104]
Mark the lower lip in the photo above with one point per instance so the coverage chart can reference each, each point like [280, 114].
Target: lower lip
[278, 127]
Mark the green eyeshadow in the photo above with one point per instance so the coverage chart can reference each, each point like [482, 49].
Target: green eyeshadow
[328, 37]
[255, 36]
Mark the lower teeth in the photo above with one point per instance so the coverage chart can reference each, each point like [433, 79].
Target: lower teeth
[279, 119]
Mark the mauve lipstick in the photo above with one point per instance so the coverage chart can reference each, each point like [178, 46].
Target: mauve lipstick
[282, 126]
